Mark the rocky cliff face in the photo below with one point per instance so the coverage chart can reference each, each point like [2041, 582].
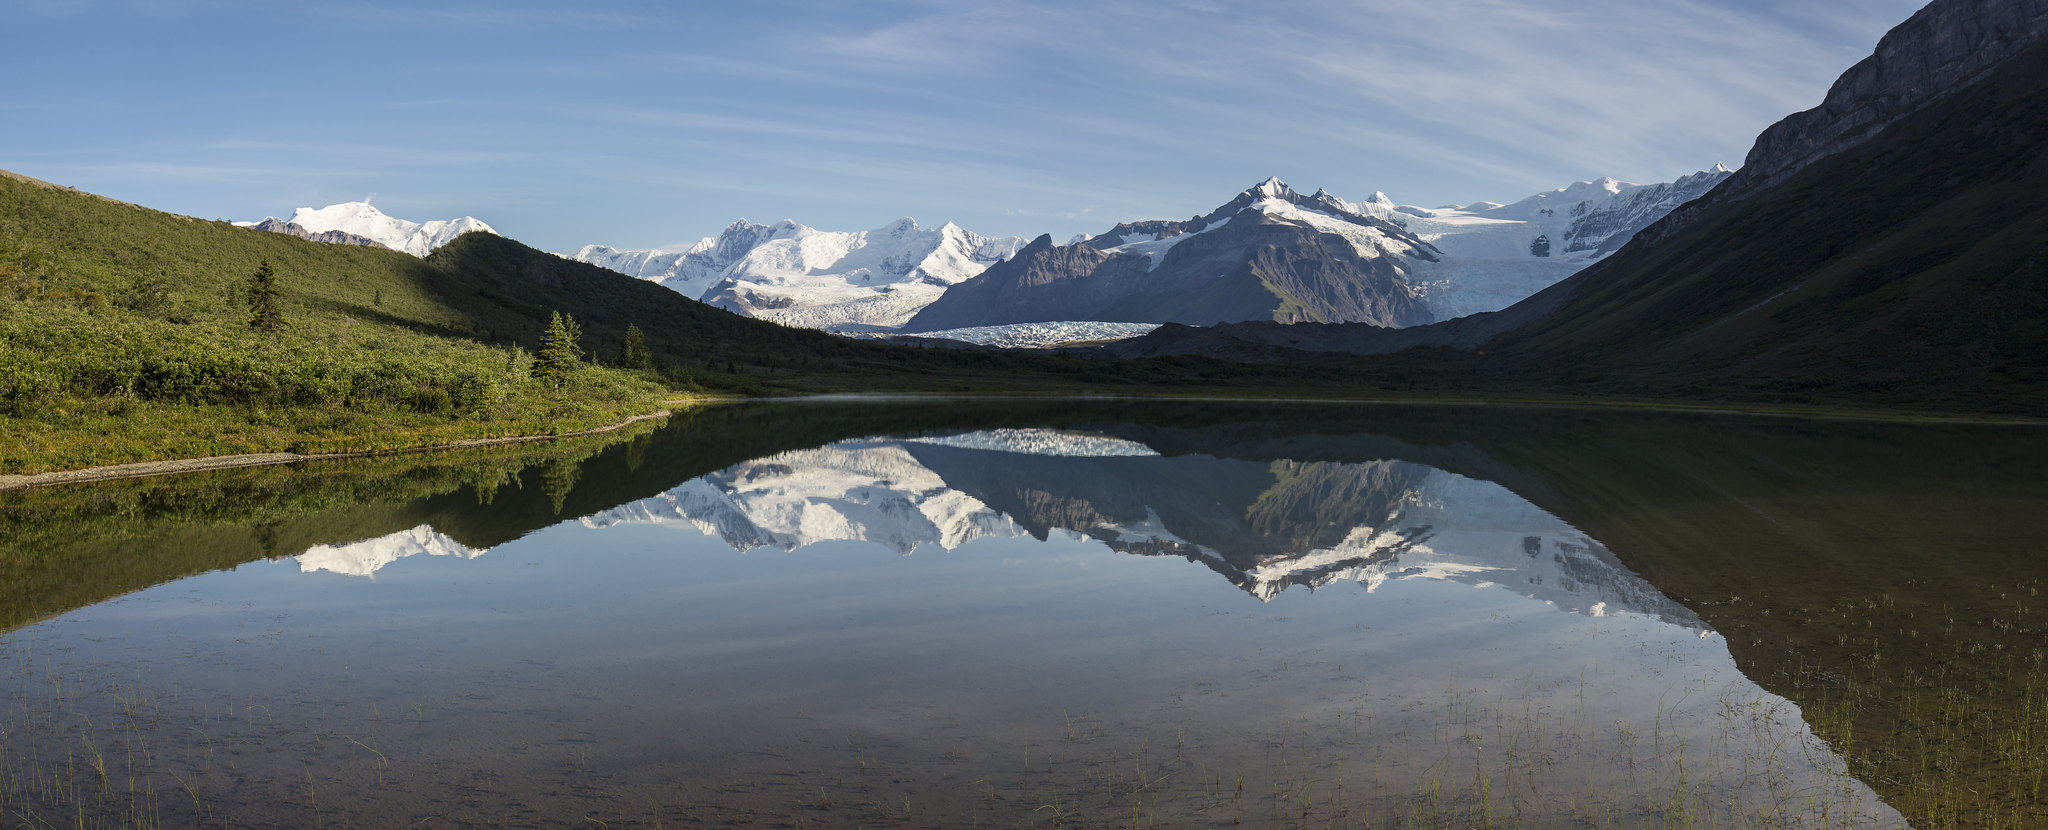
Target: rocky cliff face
[1943, 47]
[276, 225]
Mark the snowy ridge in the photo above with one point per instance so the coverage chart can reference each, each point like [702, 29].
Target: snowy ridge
[360, 219]
[1272, 201]
[800, 276]
[366, 557]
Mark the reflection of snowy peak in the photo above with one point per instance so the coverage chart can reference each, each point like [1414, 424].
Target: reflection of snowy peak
[364, 558]
[850, 490]
[1051, 334]
[1450, 527]
[1263, 526]
[1041, 442]
[359, 219]
[819, 279]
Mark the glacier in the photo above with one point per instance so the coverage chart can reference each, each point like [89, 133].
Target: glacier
[801, 276]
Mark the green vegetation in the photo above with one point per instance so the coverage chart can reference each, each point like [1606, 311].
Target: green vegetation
[264, 315]
[128, 334]
[561, 351]
[633, 352]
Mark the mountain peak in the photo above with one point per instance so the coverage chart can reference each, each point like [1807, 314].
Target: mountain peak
[1272, 187]
[899, 227]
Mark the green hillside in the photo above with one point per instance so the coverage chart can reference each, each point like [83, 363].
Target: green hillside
[124, 336]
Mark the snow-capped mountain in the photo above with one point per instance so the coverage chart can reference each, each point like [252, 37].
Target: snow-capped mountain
[800, 276]
[1268, 254]
[1274, 254]
[360, 219]
[1494, 255]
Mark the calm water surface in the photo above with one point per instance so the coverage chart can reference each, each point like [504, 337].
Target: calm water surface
[813, 617]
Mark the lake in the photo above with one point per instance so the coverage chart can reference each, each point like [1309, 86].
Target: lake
[1050, 613]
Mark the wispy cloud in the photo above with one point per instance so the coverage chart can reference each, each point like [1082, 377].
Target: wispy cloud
[1016, 115]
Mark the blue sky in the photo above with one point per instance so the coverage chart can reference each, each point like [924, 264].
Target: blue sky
[652, 124]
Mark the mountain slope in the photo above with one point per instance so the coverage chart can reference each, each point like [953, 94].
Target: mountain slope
[1943, 47]
[1910, 267]
[276, 225]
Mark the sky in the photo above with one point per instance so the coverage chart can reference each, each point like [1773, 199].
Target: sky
[652, 124]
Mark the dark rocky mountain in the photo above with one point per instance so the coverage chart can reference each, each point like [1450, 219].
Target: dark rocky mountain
[1269, 254]
[276, 225]
[1948, 45]
[1891, 248]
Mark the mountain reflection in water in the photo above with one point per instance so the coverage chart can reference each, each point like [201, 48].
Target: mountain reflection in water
[958, 625]
[1263, 526]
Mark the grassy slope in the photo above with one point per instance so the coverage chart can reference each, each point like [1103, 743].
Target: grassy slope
[124, 336]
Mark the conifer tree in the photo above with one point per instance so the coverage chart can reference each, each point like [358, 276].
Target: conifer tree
[633, 352]
[560, 350]
[263, 313]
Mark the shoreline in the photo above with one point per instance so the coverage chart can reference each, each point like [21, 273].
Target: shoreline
[144, 469]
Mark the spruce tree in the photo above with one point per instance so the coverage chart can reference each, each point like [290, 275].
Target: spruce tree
[560, 352]
[263, 313]
[633, 353]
